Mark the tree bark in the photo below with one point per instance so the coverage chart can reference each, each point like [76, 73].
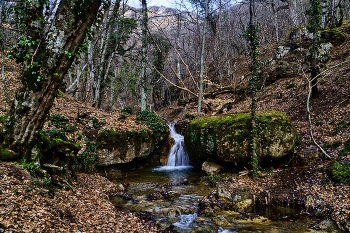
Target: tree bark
[200, 93]
[144, 53]
[51, 59]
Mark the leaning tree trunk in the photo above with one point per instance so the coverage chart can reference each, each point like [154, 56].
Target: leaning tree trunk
[44, 71]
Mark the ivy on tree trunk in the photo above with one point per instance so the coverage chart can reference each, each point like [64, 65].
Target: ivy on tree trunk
[49, 57]
[254, 66]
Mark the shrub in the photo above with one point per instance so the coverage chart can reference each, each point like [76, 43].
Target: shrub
[153, 122]
[127, 110]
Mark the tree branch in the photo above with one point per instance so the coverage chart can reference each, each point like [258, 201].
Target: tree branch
[182, 88]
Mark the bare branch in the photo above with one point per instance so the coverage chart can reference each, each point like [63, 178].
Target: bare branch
[188, 70]
[182, 88]
[166, 60]
[310, 123]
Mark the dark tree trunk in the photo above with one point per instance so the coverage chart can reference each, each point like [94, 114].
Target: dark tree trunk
[43, 73]
[314, 91]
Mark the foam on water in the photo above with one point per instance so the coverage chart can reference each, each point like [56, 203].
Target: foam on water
[177, 155]
[222, 230]
[171, 168]
[185, 221]
[178, 158]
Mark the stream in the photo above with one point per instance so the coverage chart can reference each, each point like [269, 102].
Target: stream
[182, 182]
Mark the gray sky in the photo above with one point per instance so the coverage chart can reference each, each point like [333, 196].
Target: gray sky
[167, 3]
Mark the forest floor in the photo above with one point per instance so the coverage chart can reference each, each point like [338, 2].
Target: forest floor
[25, 207]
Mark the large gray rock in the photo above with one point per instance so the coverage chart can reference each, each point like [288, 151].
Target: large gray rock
[124, 147]
[226, 138]
[281, 51]
[224, 192]
[211, 168]
[300, 38]
[323, 54]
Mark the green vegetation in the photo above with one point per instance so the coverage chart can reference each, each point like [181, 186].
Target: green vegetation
[340, 171]
[86, 161]
[291, 85]
[6, 154]
[59, 94]
[153, 122]
[127, 110]
[342, 125]
[61, 122]
[251, 35]
[40, 179]
[222, 177]
[346, 150]
[96, 123]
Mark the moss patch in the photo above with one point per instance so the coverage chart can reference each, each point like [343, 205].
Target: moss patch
[7, 155]
[340, 171]
[226, 138]
[335, 37]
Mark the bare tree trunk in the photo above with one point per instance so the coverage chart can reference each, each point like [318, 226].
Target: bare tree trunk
[37, 91]
[200, 93]
[91, 82]
[144, 51]
[3, 75]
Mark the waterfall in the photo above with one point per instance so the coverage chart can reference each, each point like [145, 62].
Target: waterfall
[177, 155]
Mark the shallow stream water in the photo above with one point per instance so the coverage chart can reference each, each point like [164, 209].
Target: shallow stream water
[181, 208]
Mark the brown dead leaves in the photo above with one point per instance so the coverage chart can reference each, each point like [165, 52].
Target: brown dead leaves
[87, 210]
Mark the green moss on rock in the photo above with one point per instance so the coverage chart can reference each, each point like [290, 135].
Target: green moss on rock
[226, 138]
[7, 155]
[335, 37]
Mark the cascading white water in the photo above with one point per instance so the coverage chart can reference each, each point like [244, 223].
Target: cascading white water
[177, 155]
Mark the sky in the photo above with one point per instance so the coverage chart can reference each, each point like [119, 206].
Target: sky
[166, 3]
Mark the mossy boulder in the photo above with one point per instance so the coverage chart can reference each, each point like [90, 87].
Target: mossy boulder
[7, 155]
[335, 37]
[226, 138]
[124, 147]
[57, 151]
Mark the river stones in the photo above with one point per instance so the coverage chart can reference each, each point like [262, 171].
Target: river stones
[242, 198]
[224, 192]
[226, 138]
[211, 168]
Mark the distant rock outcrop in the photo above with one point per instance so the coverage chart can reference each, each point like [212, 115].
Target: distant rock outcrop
[226, 138]
[299, 46]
